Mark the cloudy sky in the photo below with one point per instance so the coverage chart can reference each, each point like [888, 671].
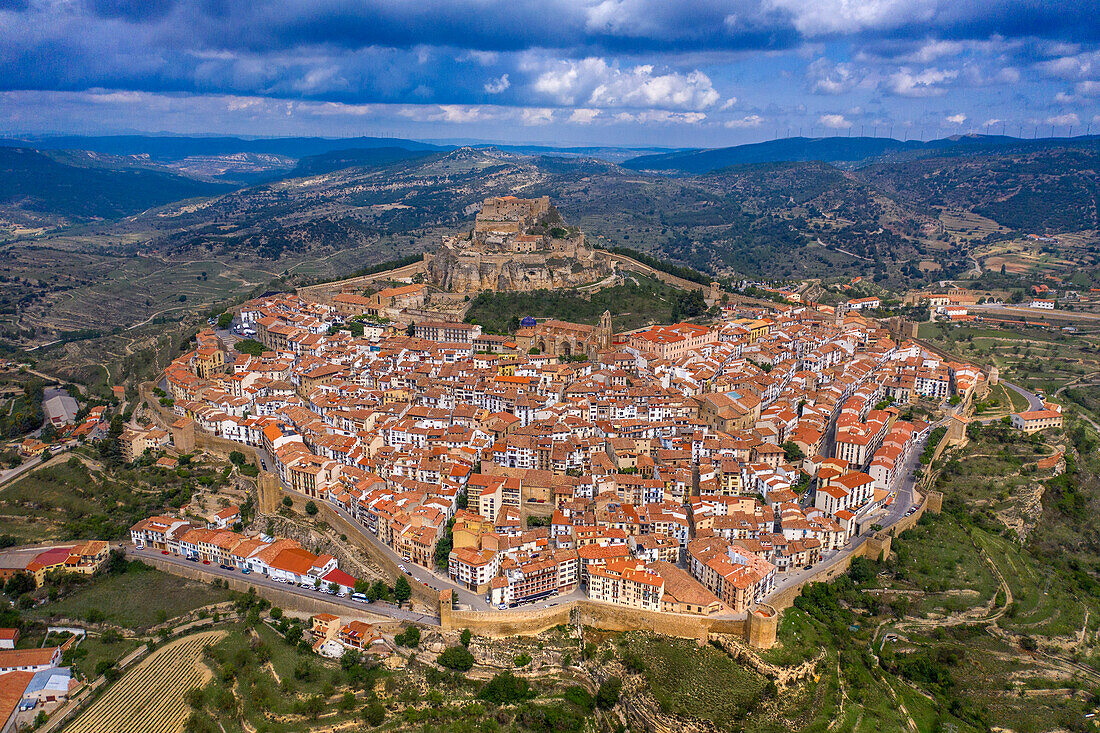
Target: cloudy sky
[637, 72]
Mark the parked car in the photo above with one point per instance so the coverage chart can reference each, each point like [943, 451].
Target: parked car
[246, 571]
[205, 562]
[164, 552]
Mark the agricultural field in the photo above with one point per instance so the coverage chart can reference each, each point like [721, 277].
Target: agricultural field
[967, 225]
[996, 473]
[1024, 256]
[150, 699]
[695, 683]
[979, 618]
[1034, 358]
[136, 599]
[85, 496]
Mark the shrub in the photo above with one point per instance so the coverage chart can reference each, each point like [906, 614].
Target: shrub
[311, 508]
[374, 714]
[580, 697]
[410, 637]
[522, 659]
[609, 692]
[456, 657]
[506, 688]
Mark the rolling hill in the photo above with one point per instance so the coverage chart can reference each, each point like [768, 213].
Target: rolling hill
[41, 187]
[849, 152]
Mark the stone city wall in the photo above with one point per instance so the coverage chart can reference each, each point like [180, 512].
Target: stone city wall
[528, 622]
[325, 292]
[421, 593]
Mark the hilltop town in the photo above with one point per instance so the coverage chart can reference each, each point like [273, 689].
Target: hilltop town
[704, 469]
[358, 463]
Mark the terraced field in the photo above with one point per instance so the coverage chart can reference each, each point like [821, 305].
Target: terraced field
[150, 699]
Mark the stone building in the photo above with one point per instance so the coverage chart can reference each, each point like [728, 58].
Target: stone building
[564, 339]
[515, 245]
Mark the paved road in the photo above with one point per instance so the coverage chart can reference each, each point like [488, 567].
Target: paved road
[1022, 312]
[903, 501]
[10, 474]
[436, 580]
[379, 609]
[1033, 401]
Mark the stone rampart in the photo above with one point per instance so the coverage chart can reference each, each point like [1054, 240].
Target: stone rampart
[528, 622]
[356, 534]
[325, 292]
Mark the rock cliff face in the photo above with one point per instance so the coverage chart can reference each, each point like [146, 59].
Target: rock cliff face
[472, 272]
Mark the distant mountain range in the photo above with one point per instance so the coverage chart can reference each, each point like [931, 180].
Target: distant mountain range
[168, 147]
[39, 185]
[847, 152]
[844, 151]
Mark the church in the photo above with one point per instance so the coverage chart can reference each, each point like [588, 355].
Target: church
[564, 339]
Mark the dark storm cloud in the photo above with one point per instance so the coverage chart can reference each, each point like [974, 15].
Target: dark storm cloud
[738, 64]
[386, 50]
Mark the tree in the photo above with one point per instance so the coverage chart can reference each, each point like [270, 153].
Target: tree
[333, 588]
[791, 452]
[609, 692]
[374, 714]
[378, 591]
[288, 502]
[314, 706]
[402, 591]
[457, 658]
[250, 347]
[294, 635]
[410, 637]
[361, 586]
[237, 458]
[110, 448]
[444, 546]
[225, 320]
[465, 638]
[311, 508]
[19, 584]
[506, 688]
[350, 659]
[303, 671]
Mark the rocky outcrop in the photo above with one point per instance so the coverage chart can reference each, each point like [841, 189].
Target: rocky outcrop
[472, 272]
